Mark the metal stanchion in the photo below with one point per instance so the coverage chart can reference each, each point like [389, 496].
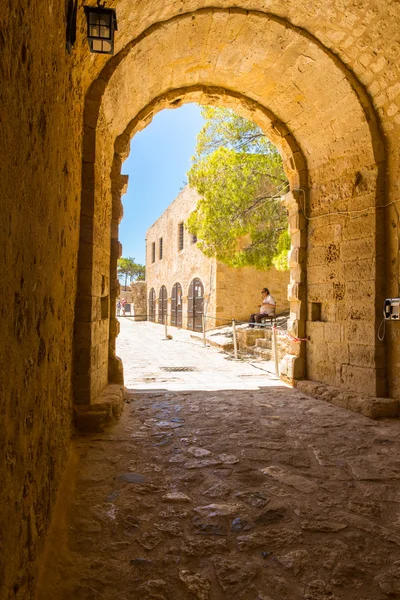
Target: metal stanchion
[235, 350]
[276, 358]
[203, 325]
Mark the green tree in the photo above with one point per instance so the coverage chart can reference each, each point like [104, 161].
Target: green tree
[239, 175]
[129, 270]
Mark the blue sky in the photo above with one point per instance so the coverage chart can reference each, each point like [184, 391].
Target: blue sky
[157, 165]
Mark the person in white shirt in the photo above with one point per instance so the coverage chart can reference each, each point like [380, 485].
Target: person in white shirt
[267, 308]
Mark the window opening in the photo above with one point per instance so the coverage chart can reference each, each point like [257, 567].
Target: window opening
[153, 252]
[180, 236]
[160, 248]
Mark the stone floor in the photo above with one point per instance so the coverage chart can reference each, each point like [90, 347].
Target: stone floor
[197, 494]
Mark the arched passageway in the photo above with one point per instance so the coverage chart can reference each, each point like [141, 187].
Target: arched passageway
[295, 90]
[321, 78]
[176, 305]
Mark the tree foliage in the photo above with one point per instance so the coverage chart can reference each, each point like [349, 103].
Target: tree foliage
[129, 270]
[239, 175]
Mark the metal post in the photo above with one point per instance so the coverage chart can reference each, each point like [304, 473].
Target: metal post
[166, 329]
[203, 326]
[235, 350]
[276, 358]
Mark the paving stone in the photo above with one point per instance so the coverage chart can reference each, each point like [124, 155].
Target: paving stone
[201, 464]
[268, 539]
[132, 477]
[389, 582]
[300, 483]
[149, 540]
[170, 527]
[204, 547]
[228, 459]
[217, 510]
[198, 586]
[218, 490]
[178, 497]
[199, 452]
[322, 525]
[234, 575]
[255, 499]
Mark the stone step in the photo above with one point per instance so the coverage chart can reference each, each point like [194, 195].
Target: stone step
[263, 343]
[263, 353]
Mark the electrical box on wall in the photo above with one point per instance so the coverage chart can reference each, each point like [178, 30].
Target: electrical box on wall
[391, 309]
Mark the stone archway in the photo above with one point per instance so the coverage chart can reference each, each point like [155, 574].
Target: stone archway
[312, 107]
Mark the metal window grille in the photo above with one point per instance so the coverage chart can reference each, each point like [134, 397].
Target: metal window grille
[180, 236]
[153, 252]
[161, 249]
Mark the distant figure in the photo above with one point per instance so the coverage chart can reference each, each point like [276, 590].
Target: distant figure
[123, 302]
[267, 308]
[118, 308]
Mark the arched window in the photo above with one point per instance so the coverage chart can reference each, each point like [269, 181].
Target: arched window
[176, 305]
[152, 305]
[162, 304]
[195, 305]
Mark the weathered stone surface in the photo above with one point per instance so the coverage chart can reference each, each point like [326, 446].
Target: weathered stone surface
[218, 490]
[201, 464]
[198, 452]
[299, 483]
[234, 576]
[198, 586]
[375, 408]
[204, 547]
[176, 497]
[132, 477]
[216, 510]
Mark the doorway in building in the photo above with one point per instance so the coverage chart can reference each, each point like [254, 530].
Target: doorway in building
[152, 305]
[195, 305]
[176, 305]
[162, 304]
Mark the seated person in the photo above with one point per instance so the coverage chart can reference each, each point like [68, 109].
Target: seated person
[267, 308]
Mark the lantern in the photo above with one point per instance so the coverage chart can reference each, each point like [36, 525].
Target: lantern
[101, 24]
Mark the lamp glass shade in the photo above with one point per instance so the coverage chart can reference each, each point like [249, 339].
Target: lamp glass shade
[101, 24]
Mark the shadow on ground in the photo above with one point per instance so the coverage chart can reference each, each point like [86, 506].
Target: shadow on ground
[258, 495]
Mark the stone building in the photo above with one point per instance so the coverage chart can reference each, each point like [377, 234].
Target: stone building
[194, 284]
[320, 78]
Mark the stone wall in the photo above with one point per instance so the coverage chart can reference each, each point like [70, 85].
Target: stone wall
[179, 266]
[239, 290]
[40, 171]
[138, 297]
[229, 293]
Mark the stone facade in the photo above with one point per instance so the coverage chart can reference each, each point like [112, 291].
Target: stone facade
[136, 296]
[228, 293]
[320, 78]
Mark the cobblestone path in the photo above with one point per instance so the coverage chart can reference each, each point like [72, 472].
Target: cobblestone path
[258, 495]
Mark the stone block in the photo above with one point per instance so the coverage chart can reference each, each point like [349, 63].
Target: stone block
[369, 406]
[359, 379]
[359, 270]
[361, 355]
[103, 412]
[360, 332]
[357, 249]
[332, 332]
[315, 329]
